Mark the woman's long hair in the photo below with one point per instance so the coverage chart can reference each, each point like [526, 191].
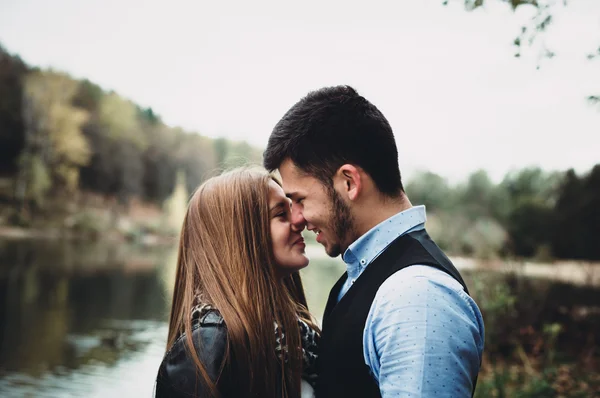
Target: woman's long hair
[225, 254]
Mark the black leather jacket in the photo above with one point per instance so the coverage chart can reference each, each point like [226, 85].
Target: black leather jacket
[178, 375]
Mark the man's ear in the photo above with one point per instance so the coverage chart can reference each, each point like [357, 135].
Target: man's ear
[348, 181]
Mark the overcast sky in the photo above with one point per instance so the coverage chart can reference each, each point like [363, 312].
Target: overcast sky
[446, 79]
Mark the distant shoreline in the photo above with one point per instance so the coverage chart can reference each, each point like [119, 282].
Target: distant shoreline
[583, 273]
[10, 232]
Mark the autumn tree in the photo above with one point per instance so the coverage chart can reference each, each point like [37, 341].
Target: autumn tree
[54, 147]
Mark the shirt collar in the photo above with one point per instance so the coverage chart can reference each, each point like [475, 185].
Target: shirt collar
[366, 248]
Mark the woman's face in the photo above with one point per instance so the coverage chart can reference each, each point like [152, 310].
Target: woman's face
[288, 244]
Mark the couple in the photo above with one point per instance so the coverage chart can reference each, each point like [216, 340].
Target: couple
[399, 323]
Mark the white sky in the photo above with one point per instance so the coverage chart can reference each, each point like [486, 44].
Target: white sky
[446, 79]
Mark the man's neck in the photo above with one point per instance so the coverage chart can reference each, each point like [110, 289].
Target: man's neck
[380, 210]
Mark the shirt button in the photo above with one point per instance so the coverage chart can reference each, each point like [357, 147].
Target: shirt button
[353, 280]
[363, 261]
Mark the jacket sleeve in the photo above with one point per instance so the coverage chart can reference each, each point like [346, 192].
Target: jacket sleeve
[178, 375]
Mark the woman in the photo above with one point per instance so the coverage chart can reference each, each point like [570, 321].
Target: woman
[239, 323]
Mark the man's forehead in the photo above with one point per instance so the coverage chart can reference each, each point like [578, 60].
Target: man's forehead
[289, 169]
[295, 181]
[290, 175]
[297, 186]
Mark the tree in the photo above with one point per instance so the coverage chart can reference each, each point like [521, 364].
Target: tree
[531, 183]
[221, 147]
[88, 96]
[528, 209]
[533, 31]
[240, 153]
[160, 161]
[59, 135]
[578, 217]
[12, 139]
[119, 146]
[197, 158]
[530, 225]
[119, 120]
[567, 242]
[591, 214]
[477, 195]
[54, 143]
[431, 190]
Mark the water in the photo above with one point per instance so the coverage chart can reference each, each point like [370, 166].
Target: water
[91, 319]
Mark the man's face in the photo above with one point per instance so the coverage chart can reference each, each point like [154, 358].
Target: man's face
[318, 208]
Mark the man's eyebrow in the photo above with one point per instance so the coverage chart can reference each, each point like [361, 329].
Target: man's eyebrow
[291, 195]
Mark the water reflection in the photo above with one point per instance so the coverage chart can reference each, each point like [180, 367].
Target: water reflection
[90, 319]
[69, 313]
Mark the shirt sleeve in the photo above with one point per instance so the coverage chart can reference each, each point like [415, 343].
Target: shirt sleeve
[424, 336]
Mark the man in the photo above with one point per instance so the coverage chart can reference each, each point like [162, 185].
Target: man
[400, 322]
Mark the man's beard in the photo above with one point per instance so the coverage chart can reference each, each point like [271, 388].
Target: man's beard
[341, 223]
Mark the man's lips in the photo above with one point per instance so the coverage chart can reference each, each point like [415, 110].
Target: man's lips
[320, 238]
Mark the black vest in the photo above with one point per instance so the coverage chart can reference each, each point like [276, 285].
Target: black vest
[342, 368]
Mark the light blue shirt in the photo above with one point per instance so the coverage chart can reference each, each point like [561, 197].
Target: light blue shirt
[424, 334]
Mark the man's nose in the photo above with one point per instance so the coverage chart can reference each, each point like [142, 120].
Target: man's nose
[298, 222]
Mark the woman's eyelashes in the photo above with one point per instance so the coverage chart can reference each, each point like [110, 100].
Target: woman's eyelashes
[284, 211]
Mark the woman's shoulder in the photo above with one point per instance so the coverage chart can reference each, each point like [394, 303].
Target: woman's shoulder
[209, 333]
[178, 370]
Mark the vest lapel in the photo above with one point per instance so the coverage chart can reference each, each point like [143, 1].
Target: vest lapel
[333, 296]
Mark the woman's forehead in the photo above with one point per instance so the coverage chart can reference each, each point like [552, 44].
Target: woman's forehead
[276, 192]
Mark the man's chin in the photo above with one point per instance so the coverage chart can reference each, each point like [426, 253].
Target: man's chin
[333, 251]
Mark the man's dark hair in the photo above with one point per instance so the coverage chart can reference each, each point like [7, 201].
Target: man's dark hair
[331, 127]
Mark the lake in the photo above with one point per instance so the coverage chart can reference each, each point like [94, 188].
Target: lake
[90, 319]
[83, 319]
